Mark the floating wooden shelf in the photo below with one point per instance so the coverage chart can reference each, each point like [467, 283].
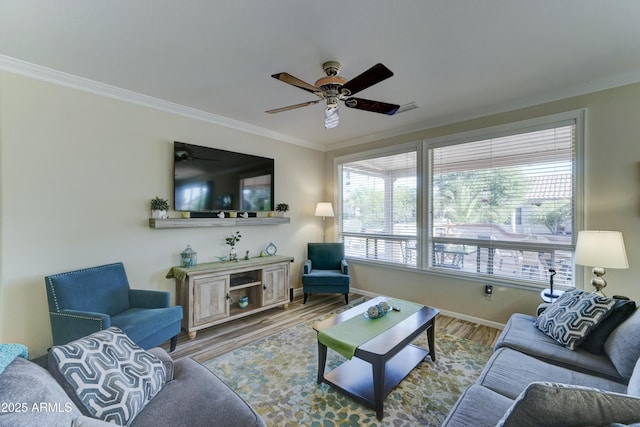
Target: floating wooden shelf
[215, 222]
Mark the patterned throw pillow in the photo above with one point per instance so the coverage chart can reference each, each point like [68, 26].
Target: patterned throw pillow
[108, 375]
[573, 316]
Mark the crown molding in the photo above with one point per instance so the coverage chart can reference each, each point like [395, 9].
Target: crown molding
[39, 72]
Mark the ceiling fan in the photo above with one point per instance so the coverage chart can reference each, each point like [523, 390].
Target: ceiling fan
[334, 88]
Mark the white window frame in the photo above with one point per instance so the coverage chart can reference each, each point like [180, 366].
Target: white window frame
[371, 154]
[424, 188]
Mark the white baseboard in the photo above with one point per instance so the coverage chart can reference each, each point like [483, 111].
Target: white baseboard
[484, 322]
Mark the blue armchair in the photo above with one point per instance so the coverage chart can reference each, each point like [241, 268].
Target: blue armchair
[92, 299]
[326, 270]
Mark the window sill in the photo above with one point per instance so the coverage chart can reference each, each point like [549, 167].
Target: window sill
[491, 280]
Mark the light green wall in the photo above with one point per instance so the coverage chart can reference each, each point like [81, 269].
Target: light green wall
[77, 171]
[612, 177]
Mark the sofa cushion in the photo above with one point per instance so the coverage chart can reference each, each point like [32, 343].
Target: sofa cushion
[509, 372]
[326, 278]
[633, 388]
[596, 339]
[107, 375]
[139, 323]
[477, 407]
[197, 398]
[546, 404]
[571, 318]
[623, 345]
[84, 421]
[32, 397]
[521, 334]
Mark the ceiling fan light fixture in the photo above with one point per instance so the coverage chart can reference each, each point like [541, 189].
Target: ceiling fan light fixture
[331, 119]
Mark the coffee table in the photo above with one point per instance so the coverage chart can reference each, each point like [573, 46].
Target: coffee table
[381, 363]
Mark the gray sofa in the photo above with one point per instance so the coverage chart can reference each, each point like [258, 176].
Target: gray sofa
[532, 380]
[192, 396]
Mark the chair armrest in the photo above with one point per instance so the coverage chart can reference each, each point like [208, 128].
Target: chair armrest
[69, 325]
[307, 267]
[140, 298]
[344, 266]
[166, 360]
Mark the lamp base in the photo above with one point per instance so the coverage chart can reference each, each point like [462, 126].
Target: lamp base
[598, 281]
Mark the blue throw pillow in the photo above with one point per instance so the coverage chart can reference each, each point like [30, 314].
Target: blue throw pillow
[621, 311]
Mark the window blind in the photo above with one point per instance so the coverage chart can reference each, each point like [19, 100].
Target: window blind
[511, 199]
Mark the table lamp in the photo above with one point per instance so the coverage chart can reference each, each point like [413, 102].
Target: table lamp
[324, 209]
[604, 249]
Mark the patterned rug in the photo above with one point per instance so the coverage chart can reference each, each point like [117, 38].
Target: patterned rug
[277, 376]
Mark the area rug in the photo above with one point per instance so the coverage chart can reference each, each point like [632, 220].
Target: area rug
[277, 376]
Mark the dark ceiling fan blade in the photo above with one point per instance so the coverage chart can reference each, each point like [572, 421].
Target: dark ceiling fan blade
[288, 78]
[373, 75]
[374, 106]
[291, 107]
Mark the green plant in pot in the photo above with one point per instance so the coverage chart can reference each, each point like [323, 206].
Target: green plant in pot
[159, 207]
[281, 208]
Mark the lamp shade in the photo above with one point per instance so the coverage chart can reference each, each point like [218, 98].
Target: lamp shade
[324, 209]
[601, 249]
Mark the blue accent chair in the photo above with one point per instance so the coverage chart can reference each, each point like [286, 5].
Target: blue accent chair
[84, 301]
[326, 270]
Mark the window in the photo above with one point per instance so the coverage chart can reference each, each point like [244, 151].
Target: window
[378, 207]
[500, 204]
[505, 205]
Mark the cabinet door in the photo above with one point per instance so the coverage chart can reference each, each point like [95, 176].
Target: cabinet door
[275, 284]
[210, 299]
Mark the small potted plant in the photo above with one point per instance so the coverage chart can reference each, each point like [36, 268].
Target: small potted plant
[281, 208]
[231, 241]
[159, 207]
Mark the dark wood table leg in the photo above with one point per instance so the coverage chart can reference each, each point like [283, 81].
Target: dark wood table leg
[431, 338]
[322, 360]
[378, 387]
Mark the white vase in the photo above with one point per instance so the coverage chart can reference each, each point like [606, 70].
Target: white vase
[158, 214]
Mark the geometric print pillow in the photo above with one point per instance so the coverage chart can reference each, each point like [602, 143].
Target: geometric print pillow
[107, 375]
[571, 318]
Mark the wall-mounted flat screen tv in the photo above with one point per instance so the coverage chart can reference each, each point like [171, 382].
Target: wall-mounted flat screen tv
[209, 179]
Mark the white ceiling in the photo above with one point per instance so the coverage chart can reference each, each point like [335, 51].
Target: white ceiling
[456, 59]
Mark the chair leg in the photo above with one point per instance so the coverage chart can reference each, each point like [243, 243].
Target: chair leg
[346, 299]
[305, 298]
[174, 342]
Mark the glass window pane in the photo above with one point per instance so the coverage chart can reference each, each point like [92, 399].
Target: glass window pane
[378, 200]
[498, 206]
[509, 201]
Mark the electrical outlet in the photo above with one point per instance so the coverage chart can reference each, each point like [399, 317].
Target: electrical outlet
[488, 292]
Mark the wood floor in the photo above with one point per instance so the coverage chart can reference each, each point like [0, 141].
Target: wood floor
[217, 340]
